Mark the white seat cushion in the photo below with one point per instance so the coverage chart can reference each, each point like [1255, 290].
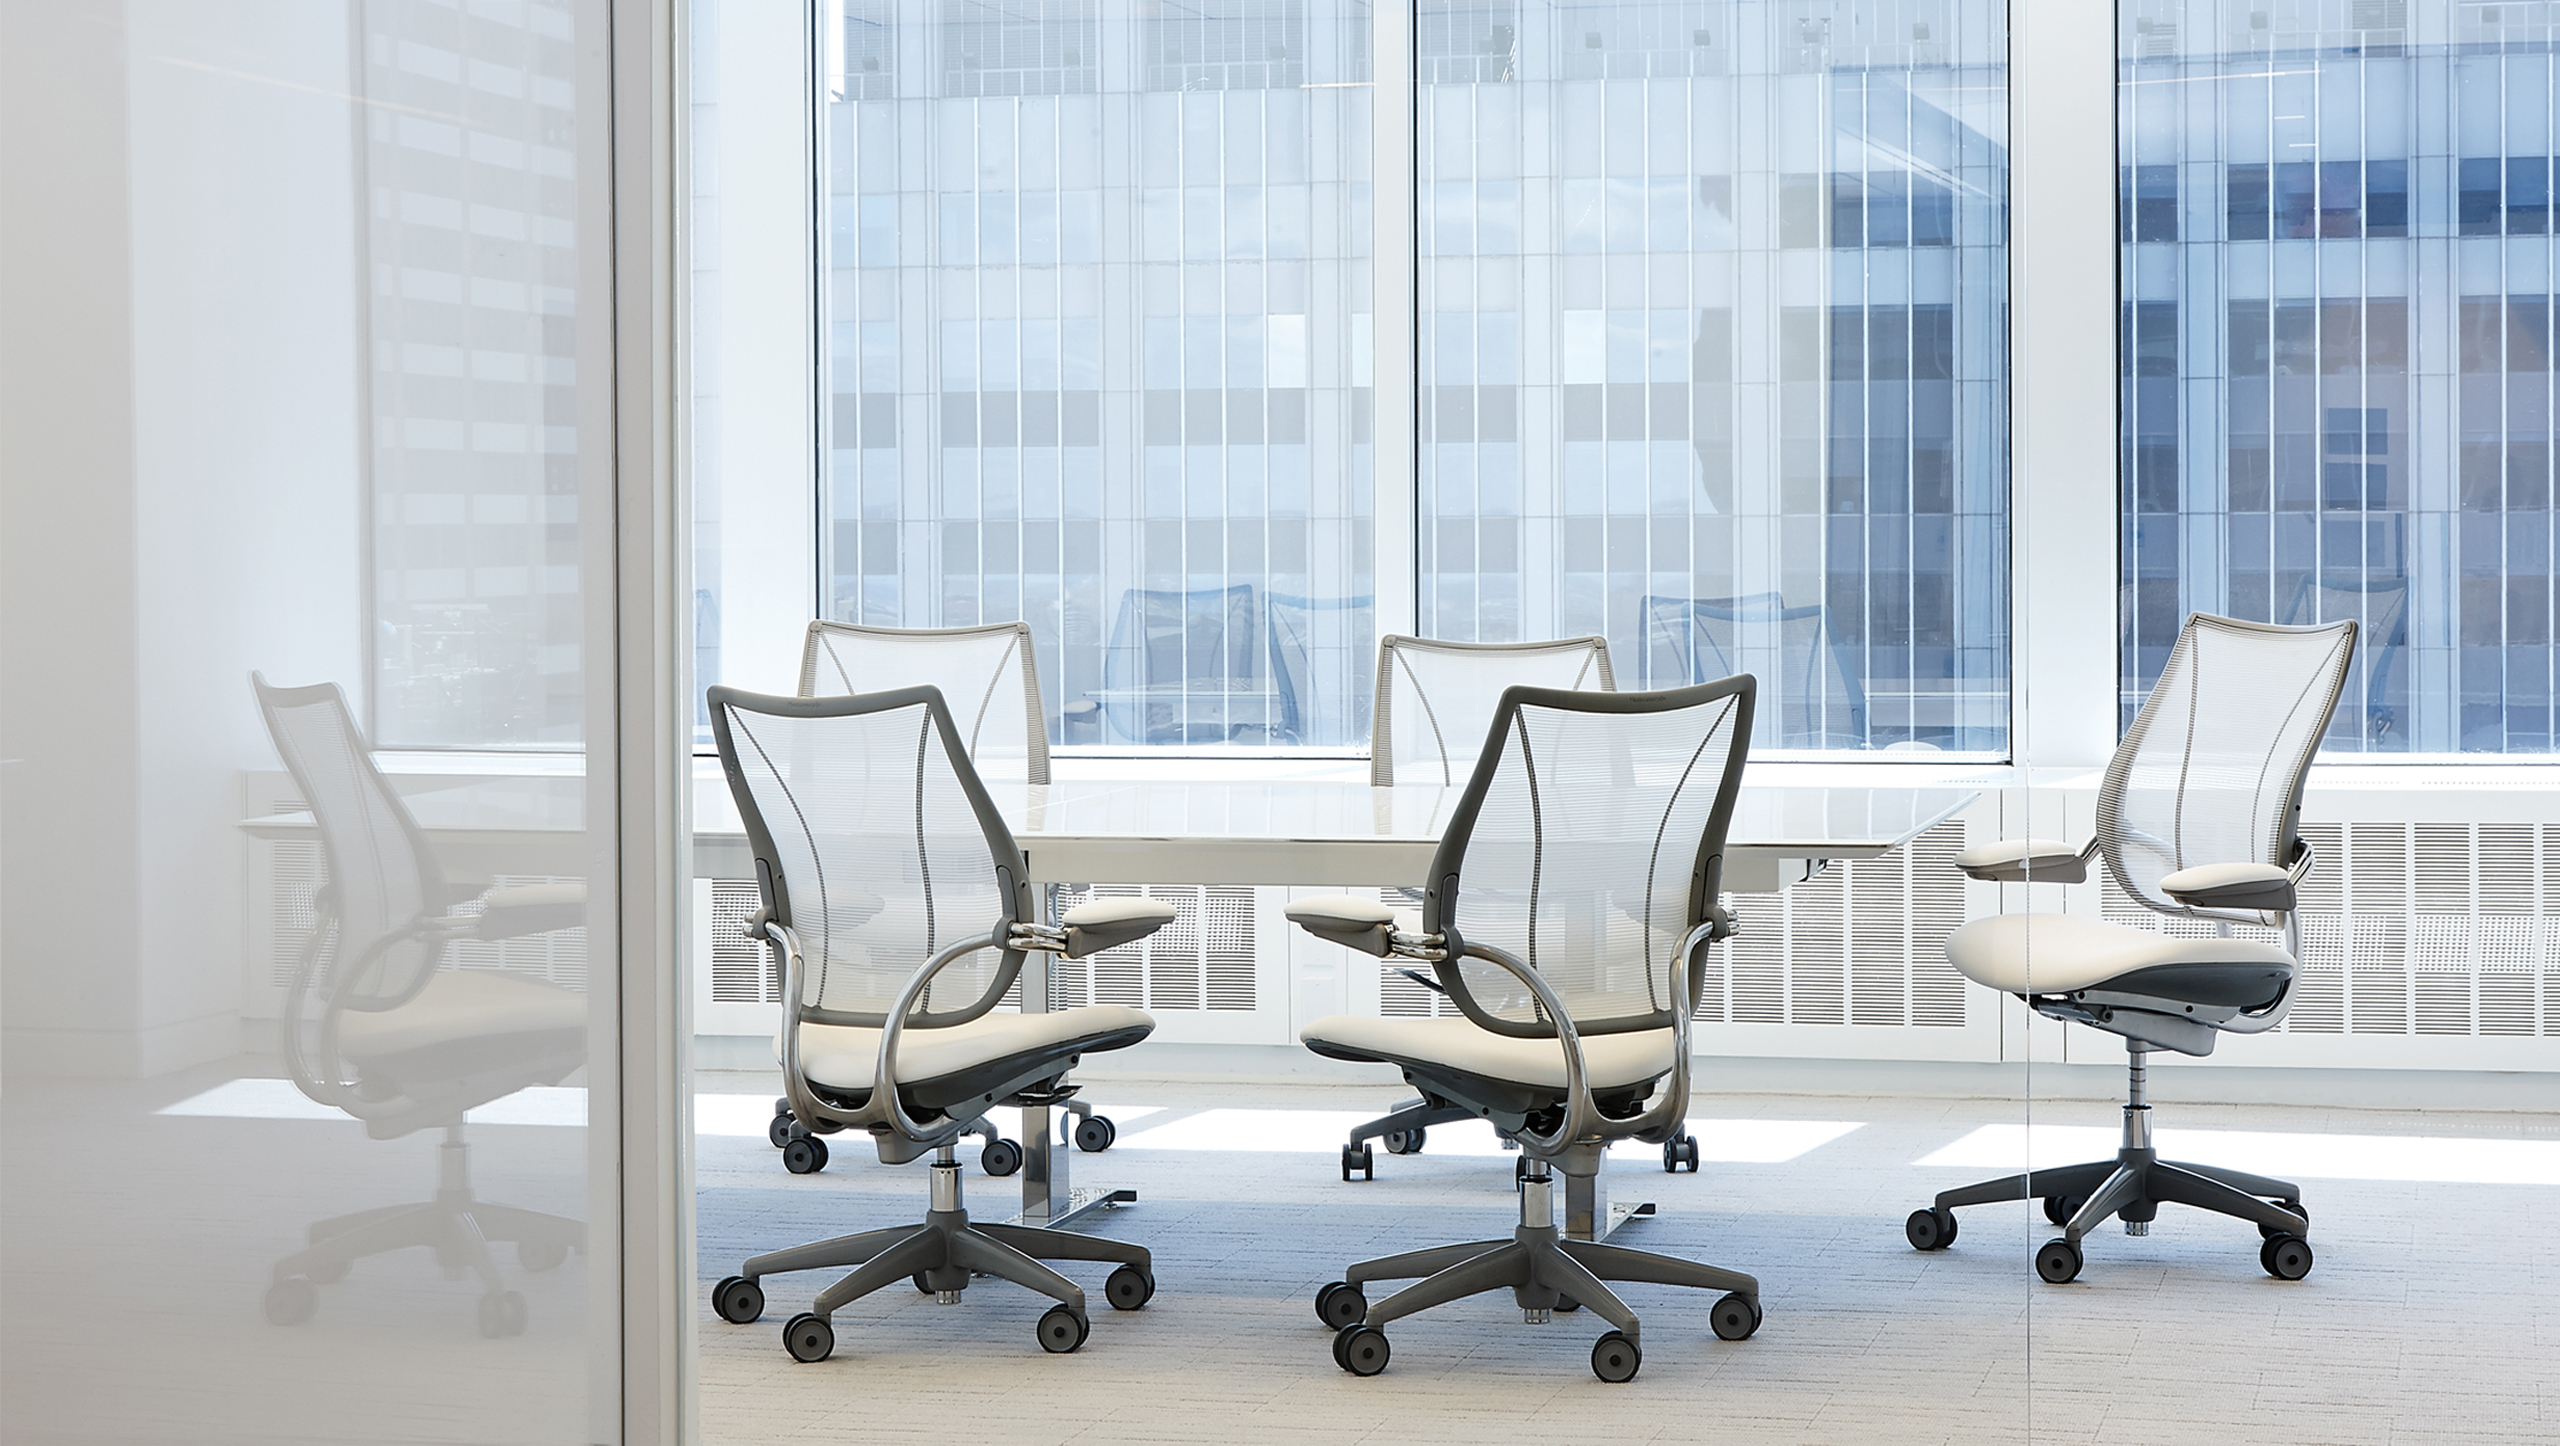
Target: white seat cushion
[844, 1057]
[2058, 953]
[461, 1004]
[1609, 1061]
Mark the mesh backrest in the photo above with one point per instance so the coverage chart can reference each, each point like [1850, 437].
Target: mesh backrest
[1809, 696]
[1588, 848]
[2378, 604]
[382, 879]
[2211, 770]
[1320, 650]
[1168, 648]
[988, 676]
[1435, 699]
[875, 843]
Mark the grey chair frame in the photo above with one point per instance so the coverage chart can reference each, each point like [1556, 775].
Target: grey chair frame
[1543, 1267]
[941, 1253]
[998, 1156]
[1405, 1129]
[2133, 1185]
[455, 1223]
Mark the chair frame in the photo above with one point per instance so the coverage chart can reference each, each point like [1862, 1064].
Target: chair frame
[1545, 1268]
[941, 1253]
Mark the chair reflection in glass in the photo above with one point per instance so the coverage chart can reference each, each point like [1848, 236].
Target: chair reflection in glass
[2378, 604]
[1187, 667]
[1809, 695]
[1320, 649]
[377, 1024]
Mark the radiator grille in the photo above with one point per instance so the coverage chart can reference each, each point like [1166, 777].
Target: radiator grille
[1202, 961]
[1863, 943]
[742, 969]
[2441, 929]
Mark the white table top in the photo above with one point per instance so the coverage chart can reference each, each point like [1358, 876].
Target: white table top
[1323, 831]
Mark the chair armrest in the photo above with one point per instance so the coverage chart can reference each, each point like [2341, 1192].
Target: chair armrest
[2025, 860]
[1345, 919]
[1100, 924]
[2261, 887]
[522, 909]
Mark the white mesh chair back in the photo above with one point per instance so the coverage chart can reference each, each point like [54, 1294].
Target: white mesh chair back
[1435, 698]
[2379, 606]
[876, 844]
[987, 675]
[383, 880]
[1320, 650]
[1809, 695]
[2211, 770]
[1588, 845]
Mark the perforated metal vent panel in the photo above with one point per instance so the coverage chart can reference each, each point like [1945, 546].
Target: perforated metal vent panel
[2445, 929]
[742, 969]
[1863, 943]
[1203, 960]
[294, 876]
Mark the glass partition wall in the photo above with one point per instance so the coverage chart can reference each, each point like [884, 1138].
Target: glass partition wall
[309, 608]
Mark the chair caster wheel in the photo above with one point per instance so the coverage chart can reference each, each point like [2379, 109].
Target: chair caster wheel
[1361, 1349]
[2058, 1261]
[502, 1314]
[291, 1301]
[1129, 1288]
[1062, 1330]
[2286, 1257]
[922, 1285]
[2058, 1209]
[1357, 1157]
[1735, 1318]
[1679, 1152]
[779, 1132]
[1404, 1142]
[541, 1255]
[1615, 1358]
[1094, 1134]
[2269, 1232]
[809, 1338]
[1567, 1304]
[806, 1155]
[1930, 1229]
[737, 1300]
[1341, 1306]
[1000, 1157]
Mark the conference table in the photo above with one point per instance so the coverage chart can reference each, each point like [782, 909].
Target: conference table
[1157, 827]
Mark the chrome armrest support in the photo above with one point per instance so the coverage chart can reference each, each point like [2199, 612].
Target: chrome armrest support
[1580, 1114]
[884, 1106]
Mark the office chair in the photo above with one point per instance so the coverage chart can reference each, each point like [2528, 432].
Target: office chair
[1318, 645]
[2379, 603]
[1568, 900]
[2199, 817]
[401, 1042]
[989, 669]
[1810, 695]
[895, 898]
[1445, 693]
[1186, 667]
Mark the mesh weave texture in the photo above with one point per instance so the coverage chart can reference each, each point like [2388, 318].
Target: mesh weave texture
[1435, 699]
[987, 675]
[1809, 696]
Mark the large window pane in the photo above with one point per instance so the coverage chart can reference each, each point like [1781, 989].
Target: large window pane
[2337, 351]
[1713, 299]
[1096, 331]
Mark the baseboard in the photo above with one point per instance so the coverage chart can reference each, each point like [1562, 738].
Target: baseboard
[28, 1053]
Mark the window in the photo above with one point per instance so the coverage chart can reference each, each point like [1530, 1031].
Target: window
[1730, 403]
[1096, 353]
[1098, 341]
[2341, 407]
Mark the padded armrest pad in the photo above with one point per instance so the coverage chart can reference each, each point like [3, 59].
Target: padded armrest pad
[2263, 887]
[521, 909]
[1345, 919]
[1101, 924]
[2017, 860]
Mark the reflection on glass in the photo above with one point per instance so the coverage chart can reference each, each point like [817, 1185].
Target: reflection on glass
[322, 283]
[1096, 321]
[2337, 351]
[1712, 300]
